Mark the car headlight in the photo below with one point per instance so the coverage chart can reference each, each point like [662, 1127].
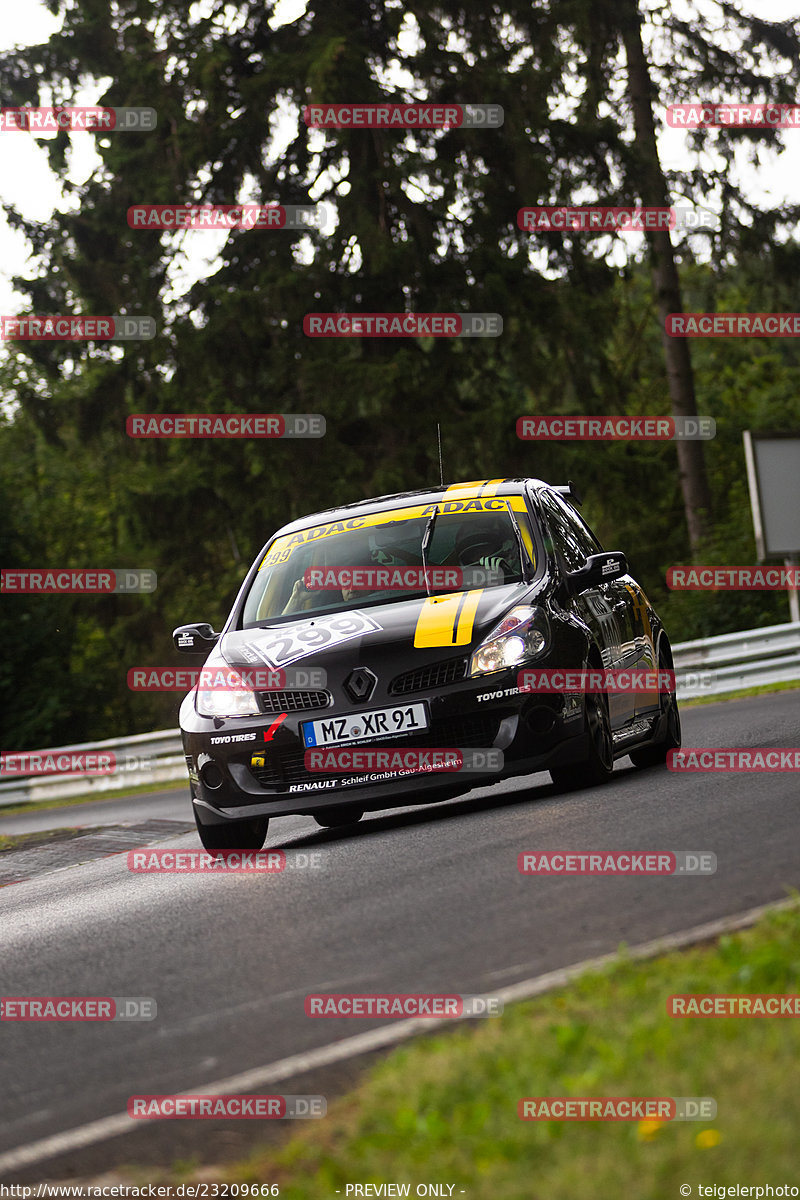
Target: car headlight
[521, 636]
[230, 698]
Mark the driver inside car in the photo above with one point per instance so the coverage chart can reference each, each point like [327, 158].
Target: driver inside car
[353, 552]
[490, 545]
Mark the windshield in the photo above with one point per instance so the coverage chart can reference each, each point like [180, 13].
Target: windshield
[377, 559]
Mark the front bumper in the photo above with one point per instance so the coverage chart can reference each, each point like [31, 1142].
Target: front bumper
[249, 777]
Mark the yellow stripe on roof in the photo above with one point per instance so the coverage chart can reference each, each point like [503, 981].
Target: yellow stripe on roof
[477, 487]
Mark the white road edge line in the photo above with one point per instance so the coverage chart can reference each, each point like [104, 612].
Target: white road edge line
[377, 1039]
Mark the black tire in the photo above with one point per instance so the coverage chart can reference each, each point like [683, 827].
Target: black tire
[236, 835]
[655, 755]
[343, 814]
[598, 767]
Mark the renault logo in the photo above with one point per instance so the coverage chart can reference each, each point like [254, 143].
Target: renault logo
[360, 684]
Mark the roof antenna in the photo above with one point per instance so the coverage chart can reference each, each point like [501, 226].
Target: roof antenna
[439, 439]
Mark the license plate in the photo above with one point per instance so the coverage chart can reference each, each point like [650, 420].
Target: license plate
[354, 727]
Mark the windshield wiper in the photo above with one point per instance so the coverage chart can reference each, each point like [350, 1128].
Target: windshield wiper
[426, 541]
[520, 544]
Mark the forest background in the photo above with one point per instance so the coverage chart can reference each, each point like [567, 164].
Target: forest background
[421, 222]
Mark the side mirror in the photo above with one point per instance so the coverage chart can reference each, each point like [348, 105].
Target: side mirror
[194, 639]
[599, 568]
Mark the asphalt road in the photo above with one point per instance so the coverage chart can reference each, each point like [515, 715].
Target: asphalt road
[417, 900]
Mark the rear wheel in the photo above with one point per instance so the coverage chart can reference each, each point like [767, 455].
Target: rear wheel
[236, 835]
[343, 814]
[598, 767]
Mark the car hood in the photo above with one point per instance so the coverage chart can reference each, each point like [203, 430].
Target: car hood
[427, 628]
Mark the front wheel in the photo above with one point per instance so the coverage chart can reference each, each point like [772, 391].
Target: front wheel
[343, 814]
[236, 835]
[599, 766]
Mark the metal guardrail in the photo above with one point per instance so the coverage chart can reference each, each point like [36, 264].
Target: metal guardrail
[717, 665]
[706, 667]
[141, 758]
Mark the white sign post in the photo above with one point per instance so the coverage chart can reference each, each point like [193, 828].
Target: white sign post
[773, 477]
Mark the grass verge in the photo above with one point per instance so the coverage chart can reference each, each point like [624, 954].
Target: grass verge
[763, 689]
[444, 1108]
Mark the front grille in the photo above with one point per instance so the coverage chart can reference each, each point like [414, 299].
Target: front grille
[285, 766]
[424, 678]
[294, 701]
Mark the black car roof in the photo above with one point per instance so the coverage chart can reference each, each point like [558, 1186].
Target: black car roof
[434, 495]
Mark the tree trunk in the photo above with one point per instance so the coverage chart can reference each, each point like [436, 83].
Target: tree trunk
[652, 187]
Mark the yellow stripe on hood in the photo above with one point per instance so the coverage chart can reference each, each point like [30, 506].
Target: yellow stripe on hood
[447, 620]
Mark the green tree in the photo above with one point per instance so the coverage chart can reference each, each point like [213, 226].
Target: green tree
[424, 221]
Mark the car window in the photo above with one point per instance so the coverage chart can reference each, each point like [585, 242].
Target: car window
[581, 530]
[330, 568]
[572, 539]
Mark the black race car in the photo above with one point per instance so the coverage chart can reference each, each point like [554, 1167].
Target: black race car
[403, 623]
